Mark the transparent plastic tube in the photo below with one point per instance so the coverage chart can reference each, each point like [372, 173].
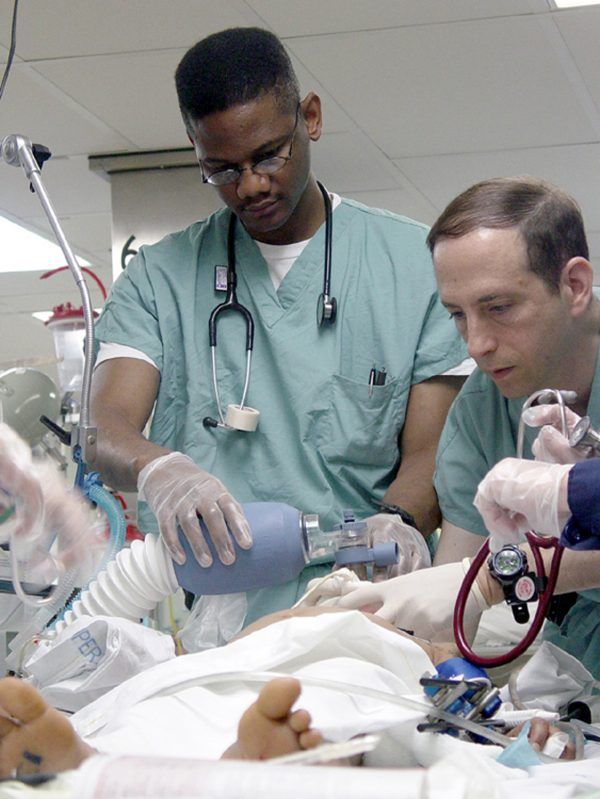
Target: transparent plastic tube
[116, 521]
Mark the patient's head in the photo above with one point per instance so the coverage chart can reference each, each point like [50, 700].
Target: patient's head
[436, 652]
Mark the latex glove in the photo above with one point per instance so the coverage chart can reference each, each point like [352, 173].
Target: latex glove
[519, 495]
[178, 491]
[44, 508]
[21, 488]
[550, 445]
[422, 602]
[413, 551]
[321, 589]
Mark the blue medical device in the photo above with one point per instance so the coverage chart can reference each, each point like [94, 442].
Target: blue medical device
[464, 690]
[285, 540]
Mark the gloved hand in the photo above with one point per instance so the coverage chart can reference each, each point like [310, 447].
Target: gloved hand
[550, 445]
[178, 491]
[21, 488]
[519, 495]
[43, 507]
[412, 549]
[422, 601]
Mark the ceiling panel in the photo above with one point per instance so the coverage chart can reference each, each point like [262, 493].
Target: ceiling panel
[87, 234]
[580, 30]
[576, 169]
[350, 162]
[316, 17]
[131, 106]
[70, 184]
[406, 202]
[65, 28]
[34, 107]
[457, 87]
[26, 288]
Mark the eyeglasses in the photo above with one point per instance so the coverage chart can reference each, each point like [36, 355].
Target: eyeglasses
[265, 166]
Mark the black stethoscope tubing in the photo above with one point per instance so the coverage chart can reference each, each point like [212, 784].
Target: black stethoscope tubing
[326, 304]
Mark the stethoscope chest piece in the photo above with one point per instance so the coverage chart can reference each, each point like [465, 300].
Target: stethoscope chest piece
[326, 310]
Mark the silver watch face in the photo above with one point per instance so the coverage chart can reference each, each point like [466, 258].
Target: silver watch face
[508, 562]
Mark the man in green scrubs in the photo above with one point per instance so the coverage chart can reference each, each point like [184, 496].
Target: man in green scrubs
[351, 411]
[512, 267]
[513, 270]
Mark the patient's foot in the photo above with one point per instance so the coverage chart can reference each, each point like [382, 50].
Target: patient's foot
[269, 728]
[34, 737]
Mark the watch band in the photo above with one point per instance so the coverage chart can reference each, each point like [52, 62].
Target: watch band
[407, 518]
[519, 588]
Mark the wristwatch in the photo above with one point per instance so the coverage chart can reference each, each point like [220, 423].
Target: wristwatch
[407, 518]
[509, 567]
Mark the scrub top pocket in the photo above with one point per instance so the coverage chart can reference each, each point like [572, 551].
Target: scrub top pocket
[354, 427]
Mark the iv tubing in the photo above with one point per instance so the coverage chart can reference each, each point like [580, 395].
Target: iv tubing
[346, 688]
[116, 520]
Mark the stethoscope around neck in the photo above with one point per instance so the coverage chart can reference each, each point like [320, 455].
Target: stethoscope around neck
[242, 417]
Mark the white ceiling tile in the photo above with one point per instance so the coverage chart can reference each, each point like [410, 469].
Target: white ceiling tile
[580, 30]
[37, 109]
[459, 87]
[141, 103]
[350, 162]
[71, 186]
[86, 234]
[406, 202]
[29, 292]
[65, 28]
[575, 169]
[317, 17]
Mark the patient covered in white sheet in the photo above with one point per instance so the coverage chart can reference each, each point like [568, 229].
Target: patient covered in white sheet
[190, 707]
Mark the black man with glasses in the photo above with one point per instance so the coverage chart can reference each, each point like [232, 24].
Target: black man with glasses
[350, 410]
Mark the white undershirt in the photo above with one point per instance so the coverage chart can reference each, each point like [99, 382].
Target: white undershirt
[279, 259]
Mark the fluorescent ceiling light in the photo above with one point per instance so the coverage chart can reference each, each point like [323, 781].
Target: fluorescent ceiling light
[24, 251]
[572, 3]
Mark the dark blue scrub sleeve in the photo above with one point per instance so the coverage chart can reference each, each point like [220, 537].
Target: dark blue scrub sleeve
[583, 494]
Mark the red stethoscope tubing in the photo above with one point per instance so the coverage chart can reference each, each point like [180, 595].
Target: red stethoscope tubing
[537, 542]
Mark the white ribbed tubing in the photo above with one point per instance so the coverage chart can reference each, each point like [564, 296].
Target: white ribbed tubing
[130, 587]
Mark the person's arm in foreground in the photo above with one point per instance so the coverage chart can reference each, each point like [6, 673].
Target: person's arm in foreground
[423, 602]
[175, 488]
[123, 395]
[412, 489]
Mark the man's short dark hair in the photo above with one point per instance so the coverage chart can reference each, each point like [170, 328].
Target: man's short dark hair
[548, 218]
[231, 67]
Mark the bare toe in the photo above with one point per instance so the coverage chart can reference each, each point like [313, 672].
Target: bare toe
[35, 737]
[310, 739]
[277, 697]
[299, 721]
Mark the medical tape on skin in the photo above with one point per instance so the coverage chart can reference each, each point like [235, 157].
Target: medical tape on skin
[344, 575]
[330, 751]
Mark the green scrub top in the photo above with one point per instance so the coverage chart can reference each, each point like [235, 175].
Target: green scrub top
[325, 441]
[480, 430]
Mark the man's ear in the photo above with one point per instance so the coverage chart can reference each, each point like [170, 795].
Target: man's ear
[310, 108]
[576, 284]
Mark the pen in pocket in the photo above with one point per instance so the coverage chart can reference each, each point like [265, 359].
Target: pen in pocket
[376, 378]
